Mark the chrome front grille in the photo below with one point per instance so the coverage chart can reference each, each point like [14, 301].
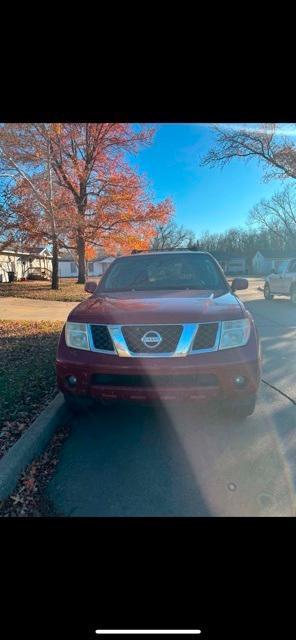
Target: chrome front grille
[169, 336]
[154, 341]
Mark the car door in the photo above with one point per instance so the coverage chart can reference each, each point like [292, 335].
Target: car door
[277, 279]
[273, 279]
[289, 276]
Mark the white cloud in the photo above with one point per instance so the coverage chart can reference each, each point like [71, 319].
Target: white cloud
[282, 129]
[288, 129]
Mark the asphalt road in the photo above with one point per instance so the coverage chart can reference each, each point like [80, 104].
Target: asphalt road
[184, 461]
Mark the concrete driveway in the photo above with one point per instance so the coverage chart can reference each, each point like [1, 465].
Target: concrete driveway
[28, 309]
[184, 461]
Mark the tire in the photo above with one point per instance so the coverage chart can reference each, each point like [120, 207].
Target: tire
[243, 408]
[293, 295]
[78, 405]
[267, 294]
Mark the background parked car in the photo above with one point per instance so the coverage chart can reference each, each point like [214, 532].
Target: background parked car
[282, 281]
[35, 275]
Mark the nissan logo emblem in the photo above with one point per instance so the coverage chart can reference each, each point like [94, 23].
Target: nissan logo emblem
[151, 339]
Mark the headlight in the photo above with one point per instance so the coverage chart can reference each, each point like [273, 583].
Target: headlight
[76, 335]
[235, 333]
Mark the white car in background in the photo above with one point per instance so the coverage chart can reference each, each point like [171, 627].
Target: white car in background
[282, 282]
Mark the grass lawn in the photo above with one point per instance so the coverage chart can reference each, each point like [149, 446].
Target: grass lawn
[69, 290]
[27, 374]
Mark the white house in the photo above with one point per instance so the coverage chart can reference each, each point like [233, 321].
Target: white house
[231, 265]
[68, 266]
[236, 265]
[17, 264]
[98, 266]
[264, 262]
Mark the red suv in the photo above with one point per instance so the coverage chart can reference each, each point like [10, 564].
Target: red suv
[161, 326]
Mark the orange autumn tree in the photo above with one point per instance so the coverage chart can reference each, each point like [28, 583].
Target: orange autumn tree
[34, 208]
[72, 186]
[90, 253]
[110, 201]
[124, 216]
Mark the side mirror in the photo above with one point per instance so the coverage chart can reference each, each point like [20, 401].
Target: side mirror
[239, 283]
[90, 286]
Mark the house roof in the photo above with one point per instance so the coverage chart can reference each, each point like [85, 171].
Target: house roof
[35, 250]
[66, 257]
[105, 259]
[27, 251]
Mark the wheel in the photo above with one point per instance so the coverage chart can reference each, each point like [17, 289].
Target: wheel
[267, 294]
[243, 408]
[293, 295]
[78, 405]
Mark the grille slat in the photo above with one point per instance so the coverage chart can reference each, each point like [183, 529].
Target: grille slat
[101, 337]
[206, 336]
[170, 335]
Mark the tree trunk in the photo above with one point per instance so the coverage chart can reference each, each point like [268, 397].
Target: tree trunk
[81, 205]
[55, 265]
[81, 258]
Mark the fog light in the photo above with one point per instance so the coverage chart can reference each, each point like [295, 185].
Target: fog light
[72, 381]
[240, 381]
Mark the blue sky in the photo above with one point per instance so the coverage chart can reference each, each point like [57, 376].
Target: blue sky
[205, 199]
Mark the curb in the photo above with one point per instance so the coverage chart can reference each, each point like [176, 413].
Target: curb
[30, 445]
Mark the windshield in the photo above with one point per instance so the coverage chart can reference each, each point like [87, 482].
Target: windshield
[175, 271]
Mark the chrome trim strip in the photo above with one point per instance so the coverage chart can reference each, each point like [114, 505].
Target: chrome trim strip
[119, 341]
[186, 339]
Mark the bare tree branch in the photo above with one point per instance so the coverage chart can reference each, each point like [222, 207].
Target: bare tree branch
[275, 151]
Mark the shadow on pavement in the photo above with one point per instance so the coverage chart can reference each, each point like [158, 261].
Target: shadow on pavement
[125, 461]
[172, 461]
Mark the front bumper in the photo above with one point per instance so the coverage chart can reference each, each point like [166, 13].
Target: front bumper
[196, 377]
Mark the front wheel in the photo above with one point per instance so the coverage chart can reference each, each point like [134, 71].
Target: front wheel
[293, 295]
[267, 294]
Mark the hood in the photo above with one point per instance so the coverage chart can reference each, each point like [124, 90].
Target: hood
[158, 307]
